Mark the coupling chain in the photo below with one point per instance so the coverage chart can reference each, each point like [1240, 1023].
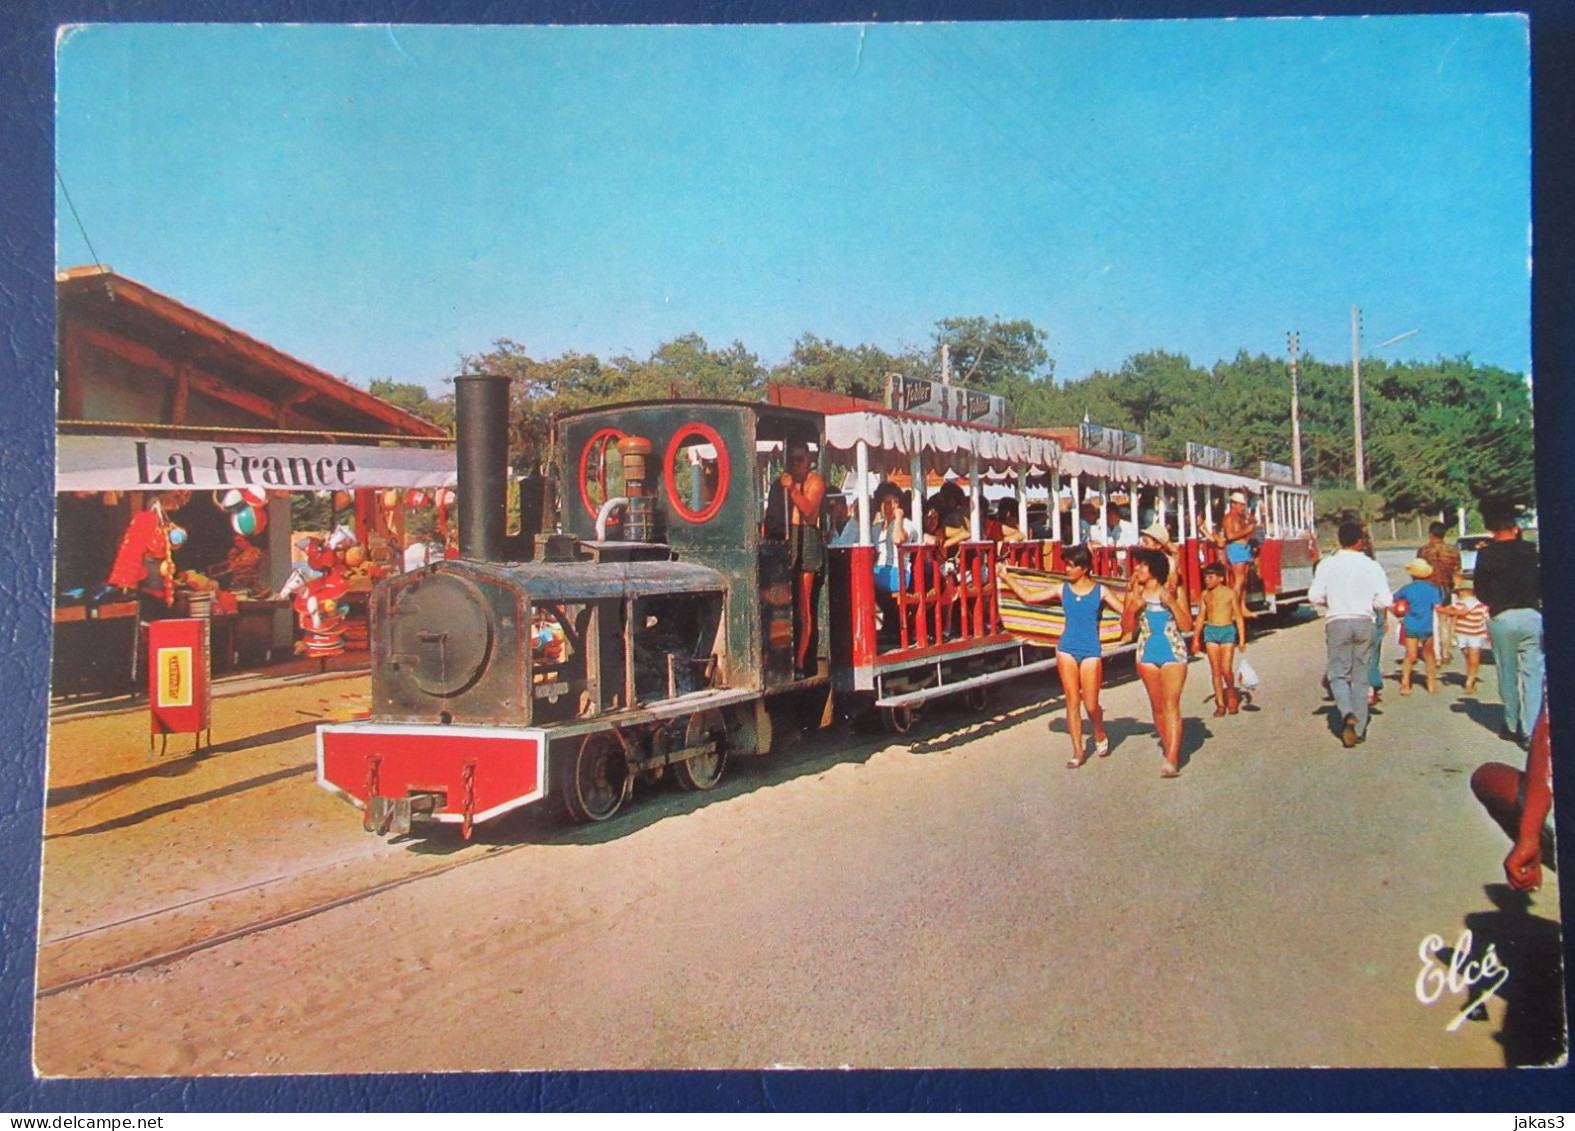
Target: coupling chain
[467, 780]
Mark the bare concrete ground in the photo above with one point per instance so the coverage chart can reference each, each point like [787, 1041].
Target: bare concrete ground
[961, 901]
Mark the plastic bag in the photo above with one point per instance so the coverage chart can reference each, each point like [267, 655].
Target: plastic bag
[1246, 676]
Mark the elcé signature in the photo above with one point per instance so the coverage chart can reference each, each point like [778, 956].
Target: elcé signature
[1459, 975]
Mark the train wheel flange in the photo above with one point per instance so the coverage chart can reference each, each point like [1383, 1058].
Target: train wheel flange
[598, 782]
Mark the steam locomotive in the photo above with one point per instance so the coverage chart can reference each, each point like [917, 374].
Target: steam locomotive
[653, 634]
[652, 637]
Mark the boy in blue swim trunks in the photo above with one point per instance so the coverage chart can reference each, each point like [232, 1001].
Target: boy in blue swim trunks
[1419, 599]
[1239, 527]
[1222, 629]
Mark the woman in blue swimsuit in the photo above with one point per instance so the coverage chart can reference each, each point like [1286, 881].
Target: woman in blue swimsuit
[1159, 617]
[1078, 658]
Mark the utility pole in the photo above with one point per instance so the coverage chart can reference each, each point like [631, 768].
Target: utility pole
[946, 364]
[1294, 341]
[1356, 394]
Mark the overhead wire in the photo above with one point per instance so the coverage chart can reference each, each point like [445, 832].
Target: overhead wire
[81, 227]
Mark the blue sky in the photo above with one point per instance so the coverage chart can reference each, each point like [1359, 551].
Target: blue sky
[380, 201]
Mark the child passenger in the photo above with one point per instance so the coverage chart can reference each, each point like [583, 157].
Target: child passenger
[1222, 629]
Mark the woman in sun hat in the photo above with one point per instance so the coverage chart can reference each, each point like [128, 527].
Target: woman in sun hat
[1157, 537]
[1415, 602]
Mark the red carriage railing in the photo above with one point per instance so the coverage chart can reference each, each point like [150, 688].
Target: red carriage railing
[947, 596]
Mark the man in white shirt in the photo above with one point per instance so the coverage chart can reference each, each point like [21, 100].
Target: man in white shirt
[1350, 587]
[1123, 531]
[843, 526]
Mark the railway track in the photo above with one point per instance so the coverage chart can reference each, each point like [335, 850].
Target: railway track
[846, 745]
[175, 954]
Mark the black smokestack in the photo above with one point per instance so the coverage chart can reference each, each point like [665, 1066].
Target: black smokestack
[481, 405]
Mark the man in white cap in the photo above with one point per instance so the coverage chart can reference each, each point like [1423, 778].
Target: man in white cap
[1239, 528]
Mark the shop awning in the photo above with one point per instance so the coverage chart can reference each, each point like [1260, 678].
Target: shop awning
[130, 463]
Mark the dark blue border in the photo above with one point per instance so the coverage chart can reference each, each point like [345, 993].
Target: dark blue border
[27, 32]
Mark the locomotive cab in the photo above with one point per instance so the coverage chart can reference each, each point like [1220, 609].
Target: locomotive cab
[705, 496]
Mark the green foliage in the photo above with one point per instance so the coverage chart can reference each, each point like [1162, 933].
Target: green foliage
[1334, 505]
[996, 356]
[416, 400]
[683, 367]
[1437, 433]
[854, 371]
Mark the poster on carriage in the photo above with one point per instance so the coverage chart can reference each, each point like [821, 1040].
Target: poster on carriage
[875, 833]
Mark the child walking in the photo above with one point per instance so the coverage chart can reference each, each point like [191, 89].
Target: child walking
[1222, 629]
[1470, 617]
[1418, 599]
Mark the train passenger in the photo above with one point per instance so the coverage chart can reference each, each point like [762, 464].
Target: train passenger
[1221, 630]
[1160, 618]
[1079, 660]
[1039, 521]
[1088, 524]
[844, 528]
[1238, 526]
[1006, 525]
[1123, 531]
[1415, 602]
[942, 527]
[891, 529]
[804, 489]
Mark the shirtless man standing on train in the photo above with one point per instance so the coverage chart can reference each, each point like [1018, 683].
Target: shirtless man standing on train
[1239, 527]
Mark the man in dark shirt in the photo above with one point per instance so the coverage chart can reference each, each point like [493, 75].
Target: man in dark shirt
[1509, 583]
[1445, 560]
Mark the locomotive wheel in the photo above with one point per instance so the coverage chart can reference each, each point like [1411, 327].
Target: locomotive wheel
[977, 698]
[598, 782]
[704, 772]
[899, 720]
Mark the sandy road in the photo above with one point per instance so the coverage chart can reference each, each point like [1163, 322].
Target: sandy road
[960, 901]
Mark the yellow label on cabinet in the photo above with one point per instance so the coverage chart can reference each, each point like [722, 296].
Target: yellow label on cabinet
[174, 666]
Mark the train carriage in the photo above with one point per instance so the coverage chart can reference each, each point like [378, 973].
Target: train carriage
[949, 638]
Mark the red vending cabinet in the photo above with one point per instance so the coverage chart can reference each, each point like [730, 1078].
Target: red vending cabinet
[179, 700]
